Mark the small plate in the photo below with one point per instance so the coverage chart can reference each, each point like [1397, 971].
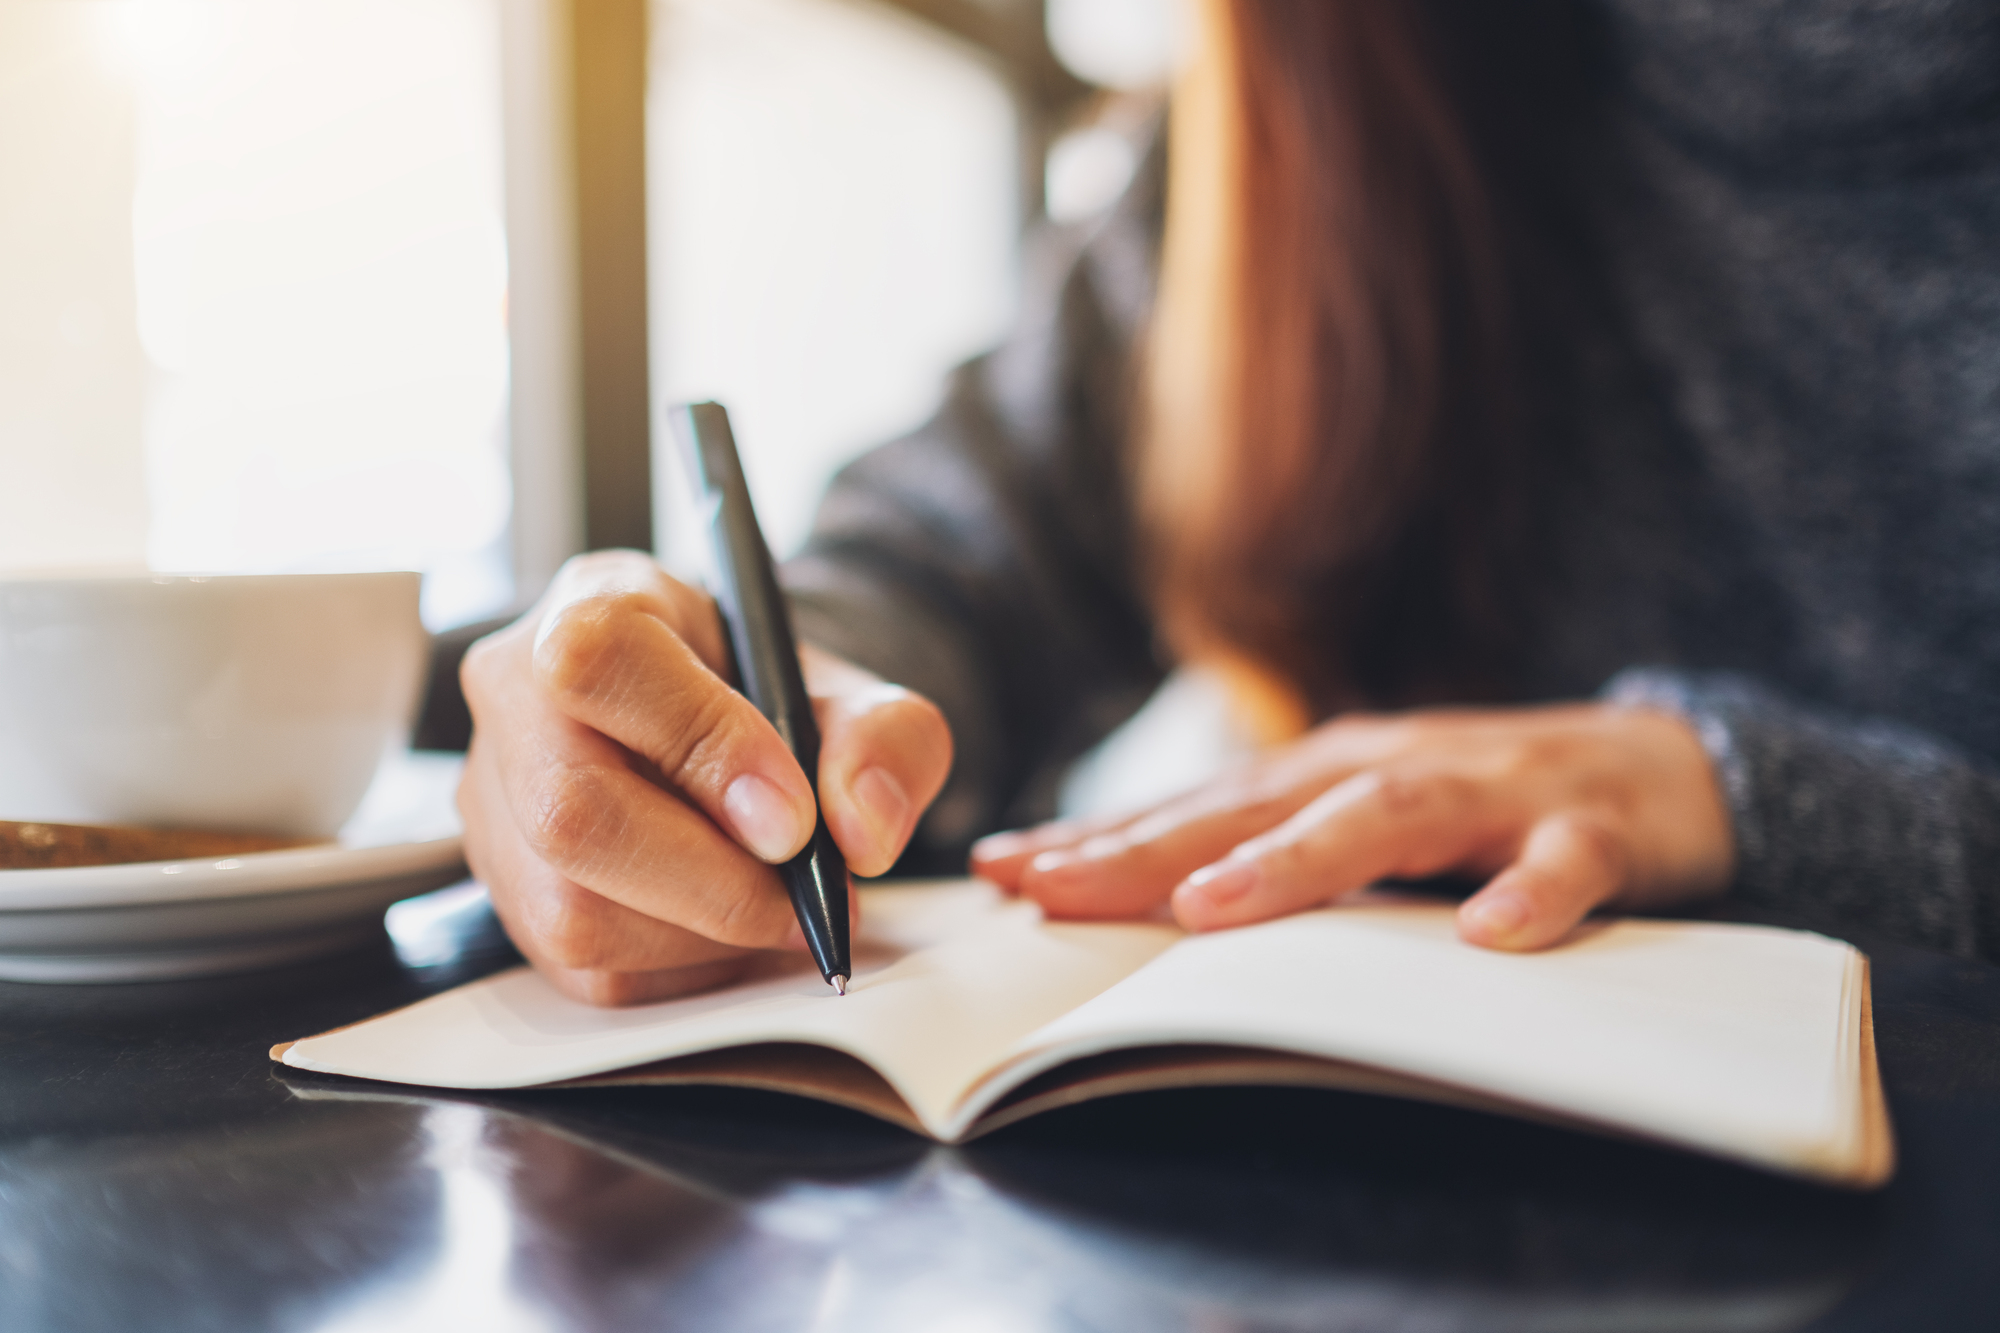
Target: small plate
[163, 919]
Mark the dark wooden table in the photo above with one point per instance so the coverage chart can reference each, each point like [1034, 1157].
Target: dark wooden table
[158, 1173]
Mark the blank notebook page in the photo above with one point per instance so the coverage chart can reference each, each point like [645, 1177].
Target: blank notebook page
[1711, 1034]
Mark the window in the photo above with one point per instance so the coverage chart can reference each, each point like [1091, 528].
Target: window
[834, 219]
[255, 266]
[253, 289]
[321, 279]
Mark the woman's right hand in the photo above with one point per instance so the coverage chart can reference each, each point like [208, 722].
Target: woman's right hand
[626, 807]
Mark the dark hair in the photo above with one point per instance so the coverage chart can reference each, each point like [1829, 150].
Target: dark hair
[1339, 460]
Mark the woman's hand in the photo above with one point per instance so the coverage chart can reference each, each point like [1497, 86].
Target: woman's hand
[1562, 809]
[626, 807]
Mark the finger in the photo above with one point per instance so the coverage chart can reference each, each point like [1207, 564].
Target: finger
[613, 990]
[561, 921]
[1374, 825]
[1133, 857]
[1004, 857]
[632, 959]
[570, 927]
[1568, 865]
[689, 610]
[884, 756]
[613, 831]
[1086, 859]
[609, 654]
[584, 811]
[591, 948]
[1134, 867]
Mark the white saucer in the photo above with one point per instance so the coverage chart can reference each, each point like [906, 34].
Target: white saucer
[165, 919]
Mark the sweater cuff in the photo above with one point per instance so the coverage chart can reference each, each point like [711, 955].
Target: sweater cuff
[1722, 710]
[1842, 819]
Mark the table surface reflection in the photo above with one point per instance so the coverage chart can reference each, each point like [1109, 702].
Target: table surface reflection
[158, 1173]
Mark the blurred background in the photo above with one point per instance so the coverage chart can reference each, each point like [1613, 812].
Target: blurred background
[354, 284]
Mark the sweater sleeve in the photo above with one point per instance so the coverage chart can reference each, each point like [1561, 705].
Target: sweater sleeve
[986, 560]
[1838, 818]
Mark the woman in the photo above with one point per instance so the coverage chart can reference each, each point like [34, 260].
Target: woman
[1606, 394]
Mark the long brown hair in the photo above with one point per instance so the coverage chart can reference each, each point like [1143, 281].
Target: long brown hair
[1332, 472]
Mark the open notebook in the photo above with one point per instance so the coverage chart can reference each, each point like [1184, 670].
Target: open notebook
[968, 1011]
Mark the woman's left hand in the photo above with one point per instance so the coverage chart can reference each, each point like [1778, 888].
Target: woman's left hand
[1560, 809]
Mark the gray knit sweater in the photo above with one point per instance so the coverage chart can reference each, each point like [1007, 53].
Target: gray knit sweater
[1791, 422]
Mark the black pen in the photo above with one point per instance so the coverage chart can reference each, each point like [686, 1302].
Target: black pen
[767, 664]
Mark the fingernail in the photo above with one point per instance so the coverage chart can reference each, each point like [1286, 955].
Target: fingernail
[762, 818]
[885, 805]
[1102, 847]
[1499, 917]
[1224, 882]
[997, 846]
[1055, 860]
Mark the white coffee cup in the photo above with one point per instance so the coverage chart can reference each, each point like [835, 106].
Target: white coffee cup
[239, 702]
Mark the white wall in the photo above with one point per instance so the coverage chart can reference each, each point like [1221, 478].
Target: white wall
[72, 377]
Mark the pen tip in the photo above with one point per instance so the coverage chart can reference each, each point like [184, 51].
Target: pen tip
[839, 984]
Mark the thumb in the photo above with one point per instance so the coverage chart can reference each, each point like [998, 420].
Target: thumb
[884, 755]
[1568, 865]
